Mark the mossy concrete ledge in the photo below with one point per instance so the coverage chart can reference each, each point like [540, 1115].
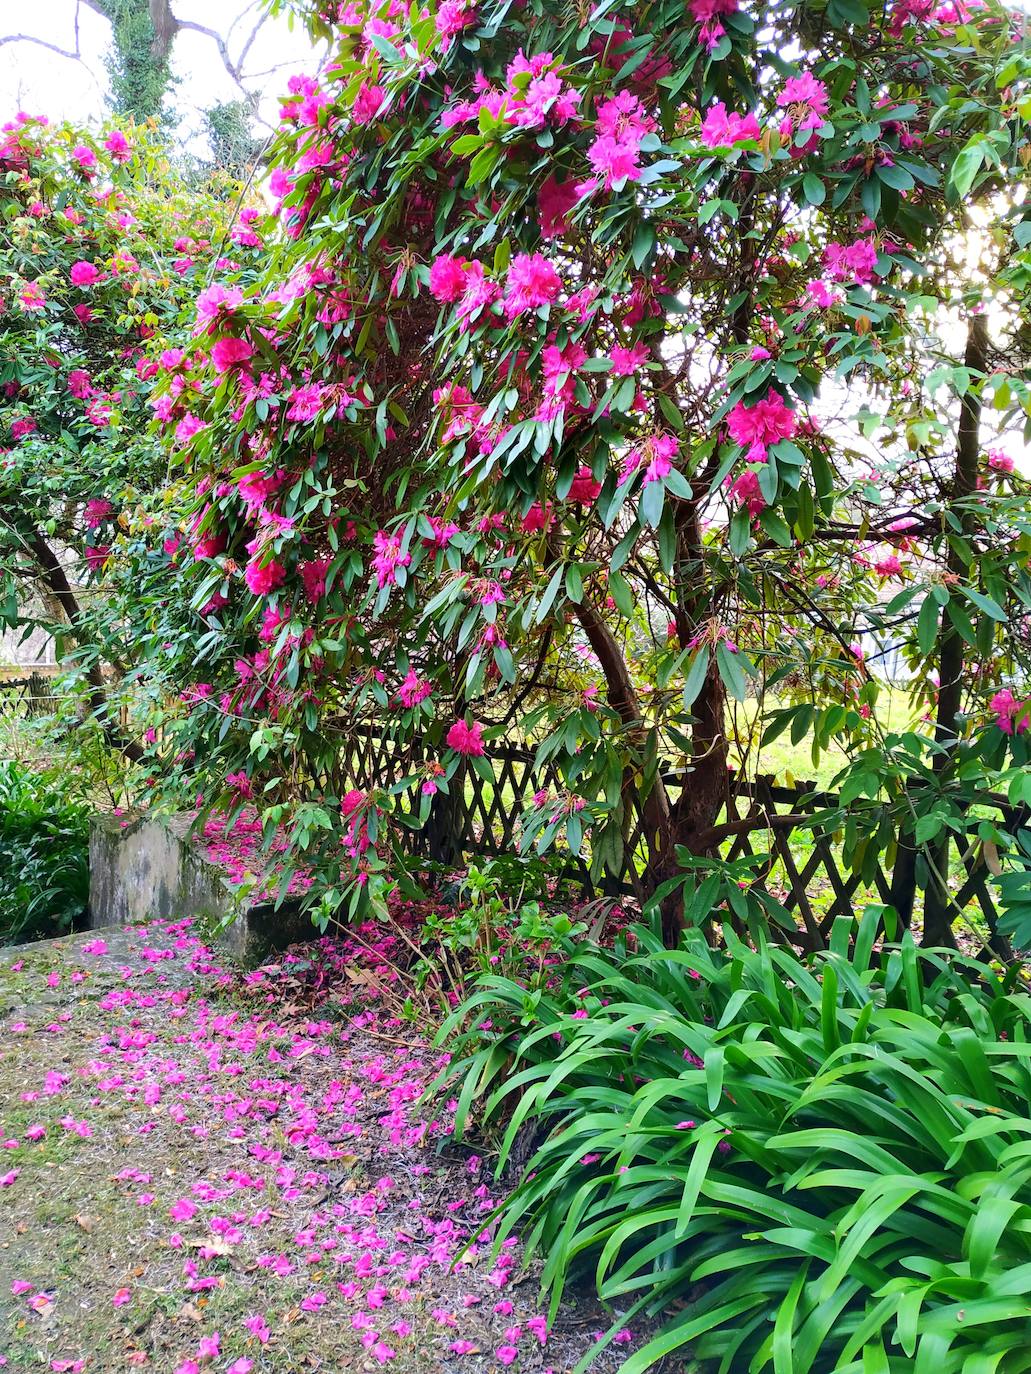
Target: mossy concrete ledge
[144, 867]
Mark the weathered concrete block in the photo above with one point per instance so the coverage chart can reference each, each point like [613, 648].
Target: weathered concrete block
[147, 866]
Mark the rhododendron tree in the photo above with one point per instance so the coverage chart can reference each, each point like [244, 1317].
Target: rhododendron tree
[104, 246]
[608, 367]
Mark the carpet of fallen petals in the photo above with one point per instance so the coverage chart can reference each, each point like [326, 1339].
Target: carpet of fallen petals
[203, 1171]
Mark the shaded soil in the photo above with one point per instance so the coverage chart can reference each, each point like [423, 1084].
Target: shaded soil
[198, 1173]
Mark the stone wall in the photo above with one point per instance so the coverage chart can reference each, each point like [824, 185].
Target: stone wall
[147, 867]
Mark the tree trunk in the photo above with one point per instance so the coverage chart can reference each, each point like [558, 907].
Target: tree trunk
[951, 655]
[445, 824]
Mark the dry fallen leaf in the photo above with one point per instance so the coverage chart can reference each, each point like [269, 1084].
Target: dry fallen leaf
[215, 1244]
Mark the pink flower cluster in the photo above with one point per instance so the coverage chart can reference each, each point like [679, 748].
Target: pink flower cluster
[1011, 716]
[723, 130]
[759, 426]
[466, 739]
[620, 127]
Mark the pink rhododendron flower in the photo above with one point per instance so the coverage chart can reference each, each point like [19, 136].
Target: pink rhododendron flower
[217, 301]
[555, 200]
[757, 427]
[368, 103]
[466, 739]
[118, 146]
[1011, 716]
[83, 274]
[97, 510]
[448, 278]
[744, 489]
[313, 576]
[620, 126]
[821, 294]
[584, 489]
[627, 361]
[31, 297]
[707, 13]
[388, 557]
[856, 262]
[96, 557]
[723, 130]
[263, 578]
[230, 352]
[413, 690]
[532, 281]
[806, 98]
[452, 17]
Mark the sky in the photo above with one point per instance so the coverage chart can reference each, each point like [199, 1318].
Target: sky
[41, 82]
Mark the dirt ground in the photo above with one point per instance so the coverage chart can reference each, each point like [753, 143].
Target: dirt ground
[197, 1174]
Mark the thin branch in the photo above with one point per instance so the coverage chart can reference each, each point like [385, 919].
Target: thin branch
[74, 56]
[219, 43]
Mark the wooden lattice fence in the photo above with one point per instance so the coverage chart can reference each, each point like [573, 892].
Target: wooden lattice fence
[802, 862]
[28, 696]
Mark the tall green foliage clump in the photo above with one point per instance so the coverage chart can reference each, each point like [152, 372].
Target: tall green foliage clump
[801, 1168]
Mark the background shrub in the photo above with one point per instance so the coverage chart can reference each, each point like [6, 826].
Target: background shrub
[44, 855]
[805, 1167]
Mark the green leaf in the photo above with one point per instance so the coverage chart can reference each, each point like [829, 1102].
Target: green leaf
[621, 594]
[985, 603]
[729, 669]
[813, 189]
[927, 625]
[695, 679]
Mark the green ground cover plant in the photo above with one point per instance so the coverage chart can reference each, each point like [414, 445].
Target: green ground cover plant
[817, 1167]
[44, 855]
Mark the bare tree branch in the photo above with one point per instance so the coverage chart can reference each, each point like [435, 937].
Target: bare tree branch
[166, 26]
[74, 56]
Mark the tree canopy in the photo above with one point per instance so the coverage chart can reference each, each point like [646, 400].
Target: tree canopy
[606, 367]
